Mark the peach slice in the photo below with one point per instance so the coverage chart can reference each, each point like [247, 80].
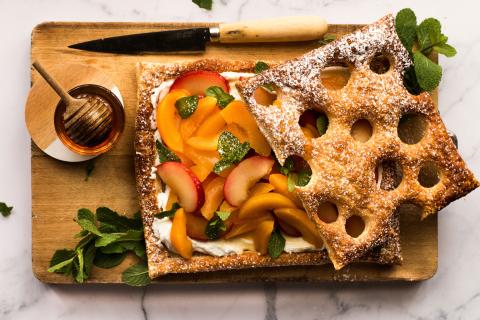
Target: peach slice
[237, 131]
[204, 143]
[196, 227]
[196, 82]
[237, 112]
[178, 235]
[264, 97]
[201, 172]
[310, 131]
[172, 198]
[168, 120]
[259, 188]
[262, 236]
[213, 125]
[206, 106]
[264, 202]
[288, 229]
[300, 220]
[244, 176]
[227, 207]
[184, 183]
[206, 159]
[280, 184]
[213, 197]
[247, 226]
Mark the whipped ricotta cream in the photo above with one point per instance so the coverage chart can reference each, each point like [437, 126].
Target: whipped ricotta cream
[221, 247]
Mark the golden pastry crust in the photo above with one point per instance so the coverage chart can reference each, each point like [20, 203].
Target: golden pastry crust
[160, 260]
[343, 168]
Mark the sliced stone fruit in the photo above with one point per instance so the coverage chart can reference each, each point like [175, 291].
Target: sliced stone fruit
[213, 197]
[280, 185]
[178, 235]
[196, 82]
[168, 120]
[300, 220]
[237, 112]
[244, 176]
[264, 202]
[262, 236]
[184, 183]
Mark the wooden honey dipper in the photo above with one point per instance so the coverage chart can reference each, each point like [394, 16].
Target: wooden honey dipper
[87, 120]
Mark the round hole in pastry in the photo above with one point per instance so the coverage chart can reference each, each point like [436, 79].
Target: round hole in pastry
[327, 212]
[335, 77]
[265, 95]
[411, 128]
[388, 174]
[429, 174]
[354, 226]
[313, 123]
[380, 63]
[362, 130]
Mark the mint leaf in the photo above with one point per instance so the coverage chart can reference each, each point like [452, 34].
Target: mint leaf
[322, 124]
[80, 277]
[223, 98]
[107, 261]
[445, 49]
[113, 248]
[410, 81]
[276, 244]
[291, 178]
[136, 275]
[327, 39]
[231, 151]
[214, 228]
[224, 215]
[121, 223]
[165, 154]
[5, 210]
[406, 27]
[61, 261]
[89, 169]
[288, 166]
[429, 34]
[428, 72]
[186, 106]
[204, 4]
[221, 165]
[303, 177]
[260, 66]
[88, 257]
[85, 214]
[106, 239]
[168, 213]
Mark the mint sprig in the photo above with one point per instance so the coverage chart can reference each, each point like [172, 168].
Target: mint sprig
[421, 41]
[215, 227]
[186, 106]
[327, 39]
[5, 210]
[260, 66]
[168, 213]
[231, 151]
[204, 4]
[223, 98]
[165, 154]
[106, 239]
[276, 243]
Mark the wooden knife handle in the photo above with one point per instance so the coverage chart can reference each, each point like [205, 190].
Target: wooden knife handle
[283, 29]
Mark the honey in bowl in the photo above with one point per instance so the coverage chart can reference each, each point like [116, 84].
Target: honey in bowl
[95, 127]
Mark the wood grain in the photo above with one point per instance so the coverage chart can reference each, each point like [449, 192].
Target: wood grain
[59, 189]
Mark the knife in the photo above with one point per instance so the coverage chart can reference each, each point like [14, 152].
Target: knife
[285, 29]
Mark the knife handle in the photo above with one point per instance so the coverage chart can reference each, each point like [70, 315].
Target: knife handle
[285, 29]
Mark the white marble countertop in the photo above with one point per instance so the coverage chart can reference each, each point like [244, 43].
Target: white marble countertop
[453, 293]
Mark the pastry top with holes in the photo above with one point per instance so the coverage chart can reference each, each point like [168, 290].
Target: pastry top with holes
[343, 168]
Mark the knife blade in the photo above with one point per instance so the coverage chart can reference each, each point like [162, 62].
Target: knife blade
[284, 29]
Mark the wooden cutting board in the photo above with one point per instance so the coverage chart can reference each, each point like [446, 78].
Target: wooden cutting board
[59, 189]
